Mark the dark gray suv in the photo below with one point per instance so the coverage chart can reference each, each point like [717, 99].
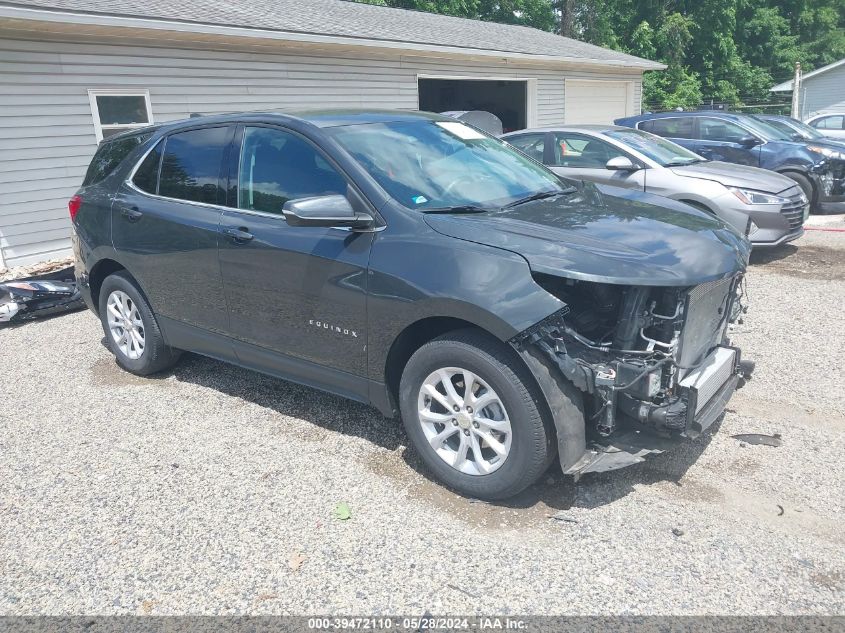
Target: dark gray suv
[411, 262]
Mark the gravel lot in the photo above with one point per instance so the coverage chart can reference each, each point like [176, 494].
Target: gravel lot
[211, 490]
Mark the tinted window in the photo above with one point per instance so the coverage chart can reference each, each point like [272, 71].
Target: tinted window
[719, 130]
[828, 123]
[575, 150]
[109, 155]
[190, 167]
[146, 176]
[674, 127]
[531, 144]
[277, 166]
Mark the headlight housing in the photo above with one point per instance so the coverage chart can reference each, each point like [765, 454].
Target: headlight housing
[827, 152]
[749, 196]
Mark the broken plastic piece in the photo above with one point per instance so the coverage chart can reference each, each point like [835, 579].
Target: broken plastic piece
[759, 438]
[26, 299]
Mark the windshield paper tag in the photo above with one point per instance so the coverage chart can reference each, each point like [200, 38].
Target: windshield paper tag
[419, 199]
[463, 132]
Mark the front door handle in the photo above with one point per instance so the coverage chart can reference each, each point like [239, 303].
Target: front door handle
[240, 235]
[131, 213]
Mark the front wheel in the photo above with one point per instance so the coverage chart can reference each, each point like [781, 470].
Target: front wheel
[473, 415]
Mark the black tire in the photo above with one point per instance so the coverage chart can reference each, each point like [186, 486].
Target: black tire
[806, 186]
[533, 442]
[156, 355]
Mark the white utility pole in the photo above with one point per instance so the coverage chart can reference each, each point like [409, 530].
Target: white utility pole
[796, 93]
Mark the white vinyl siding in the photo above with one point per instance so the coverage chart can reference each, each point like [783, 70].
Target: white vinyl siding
[47, 131]
[824, 93]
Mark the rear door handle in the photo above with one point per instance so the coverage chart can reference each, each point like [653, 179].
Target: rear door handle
[240, 235]
[131, 213]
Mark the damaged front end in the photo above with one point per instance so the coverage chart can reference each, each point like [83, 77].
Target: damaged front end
[654, 364]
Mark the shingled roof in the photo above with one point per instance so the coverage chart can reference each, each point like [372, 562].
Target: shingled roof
[348, 20]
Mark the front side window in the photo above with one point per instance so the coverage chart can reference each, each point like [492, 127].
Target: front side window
[277, 166]
[583, 152]
[674, 127]
[109, 155]
[829, 123]
[530, 144]
[425, 164]
[118, 111]
[190, 166]
[722, 131]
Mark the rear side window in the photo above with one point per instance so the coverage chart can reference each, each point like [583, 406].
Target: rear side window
[675, 127]
[828, 123]
[190, 166]
[109, 155]
[146, 176]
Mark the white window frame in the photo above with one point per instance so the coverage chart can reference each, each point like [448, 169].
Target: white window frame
[95, 111]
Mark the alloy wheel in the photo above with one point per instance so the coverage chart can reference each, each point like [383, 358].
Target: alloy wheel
[464, 421]
[125, 324]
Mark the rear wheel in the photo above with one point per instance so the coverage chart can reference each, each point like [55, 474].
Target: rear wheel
[472, 413]
[132, 333]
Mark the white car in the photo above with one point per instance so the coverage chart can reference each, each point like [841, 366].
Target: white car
[831, 124]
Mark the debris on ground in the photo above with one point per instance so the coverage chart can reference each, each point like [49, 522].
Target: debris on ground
[342, 511]
[52, 292]
[677, 531]
[563, 517]
[759, 438]
[296, 560]
[35, 270]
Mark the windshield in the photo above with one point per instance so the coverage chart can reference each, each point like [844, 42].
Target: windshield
[428, 164]
[767, 131]
[663, 152]
[793, 126]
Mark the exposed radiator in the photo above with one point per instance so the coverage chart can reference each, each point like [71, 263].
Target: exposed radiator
[706, 317]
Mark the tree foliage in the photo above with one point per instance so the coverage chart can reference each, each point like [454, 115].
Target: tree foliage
[730, 51]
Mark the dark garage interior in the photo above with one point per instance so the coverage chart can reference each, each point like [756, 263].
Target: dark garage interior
[505, 99]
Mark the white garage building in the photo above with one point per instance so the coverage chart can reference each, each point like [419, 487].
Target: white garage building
[74, 71]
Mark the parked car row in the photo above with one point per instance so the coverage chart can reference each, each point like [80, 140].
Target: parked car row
[818, 165]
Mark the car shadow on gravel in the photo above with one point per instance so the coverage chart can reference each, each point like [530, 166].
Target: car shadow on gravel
[762, 256]
[554, 490]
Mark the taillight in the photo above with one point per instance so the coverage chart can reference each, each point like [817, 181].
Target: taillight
[73, 206]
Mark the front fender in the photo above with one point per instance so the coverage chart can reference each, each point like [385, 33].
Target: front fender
[413, 277]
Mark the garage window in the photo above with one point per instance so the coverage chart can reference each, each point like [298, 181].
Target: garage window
[118, 111]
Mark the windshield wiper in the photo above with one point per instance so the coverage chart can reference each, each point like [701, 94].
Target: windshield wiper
[458, 208]
[541, 195]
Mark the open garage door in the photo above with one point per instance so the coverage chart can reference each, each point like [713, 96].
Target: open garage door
[507, 99]
[597, 101]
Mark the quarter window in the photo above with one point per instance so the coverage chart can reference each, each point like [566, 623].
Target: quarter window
[530, 144]
[673, 127]
[146, 176]
[109, 155]
[577, 151]
[190, 166]
[829, 123]
[277, 166]
[118, 111]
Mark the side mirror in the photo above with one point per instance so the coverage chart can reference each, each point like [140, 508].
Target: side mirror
[325, 211]
[749, 141]
[621, 163]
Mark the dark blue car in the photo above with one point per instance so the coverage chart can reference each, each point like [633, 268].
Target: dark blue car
[738, 138]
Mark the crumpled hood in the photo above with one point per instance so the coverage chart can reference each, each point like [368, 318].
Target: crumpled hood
[733, 175]
[596, 235]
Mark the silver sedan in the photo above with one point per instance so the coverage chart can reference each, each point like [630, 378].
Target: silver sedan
[770, 207]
